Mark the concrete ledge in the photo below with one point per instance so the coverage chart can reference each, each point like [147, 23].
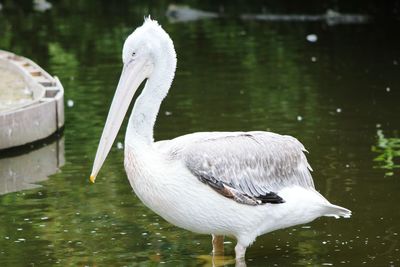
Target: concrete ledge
[39, 118]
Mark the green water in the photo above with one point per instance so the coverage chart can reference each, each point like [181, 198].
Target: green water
[340, 96]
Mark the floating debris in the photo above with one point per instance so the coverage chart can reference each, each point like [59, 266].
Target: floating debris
[299, 118]
[331, 18]
[313, 59]
[168, 113]
[388, 89]
[41, 5]
[338, 110]
[181, 13]
[312, 38]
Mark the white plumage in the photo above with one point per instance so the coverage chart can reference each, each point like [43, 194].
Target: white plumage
[240, 184]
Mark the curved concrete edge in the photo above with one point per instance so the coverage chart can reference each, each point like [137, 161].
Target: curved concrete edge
[39, 118]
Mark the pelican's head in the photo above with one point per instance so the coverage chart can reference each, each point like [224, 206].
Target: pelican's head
[143, 53]
[147, 43]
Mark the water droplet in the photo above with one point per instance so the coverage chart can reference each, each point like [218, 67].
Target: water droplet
[312, 38]
[70, 103]
[120, 145]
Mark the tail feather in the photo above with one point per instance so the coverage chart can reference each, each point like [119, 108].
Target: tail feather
[337, 211]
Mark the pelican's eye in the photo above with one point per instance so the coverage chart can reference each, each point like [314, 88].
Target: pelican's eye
[133, 54]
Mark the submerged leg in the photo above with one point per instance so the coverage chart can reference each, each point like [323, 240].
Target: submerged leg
[218, 245]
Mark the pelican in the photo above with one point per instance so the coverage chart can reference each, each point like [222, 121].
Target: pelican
[237, 184]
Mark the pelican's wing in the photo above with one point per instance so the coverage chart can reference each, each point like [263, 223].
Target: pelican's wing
[249, 167]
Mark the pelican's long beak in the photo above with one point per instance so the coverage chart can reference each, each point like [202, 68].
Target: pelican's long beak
[133, 74]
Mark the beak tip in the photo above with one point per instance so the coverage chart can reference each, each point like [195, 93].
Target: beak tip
[92, 178]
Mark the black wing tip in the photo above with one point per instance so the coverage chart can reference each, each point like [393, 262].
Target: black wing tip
[271, 198]
[230, 192]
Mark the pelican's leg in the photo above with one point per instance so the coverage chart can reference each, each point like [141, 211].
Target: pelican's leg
[218, 245]
[240, 251]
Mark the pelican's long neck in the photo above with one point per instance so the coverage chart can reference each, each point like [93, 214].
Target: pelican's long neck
[144, 113]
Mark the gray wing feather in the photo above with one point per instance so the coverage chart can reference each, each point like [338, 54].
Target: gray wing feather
[254, 163]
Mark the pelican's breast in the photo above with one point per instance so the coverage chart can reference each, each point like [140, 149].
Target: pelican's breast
[160, 184]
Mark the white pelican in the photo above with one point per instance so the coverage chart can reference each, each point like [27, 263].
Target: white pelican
[239, 184]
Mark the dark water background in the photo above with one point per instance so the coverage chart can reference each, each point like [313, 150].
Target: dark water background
[340, 96]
